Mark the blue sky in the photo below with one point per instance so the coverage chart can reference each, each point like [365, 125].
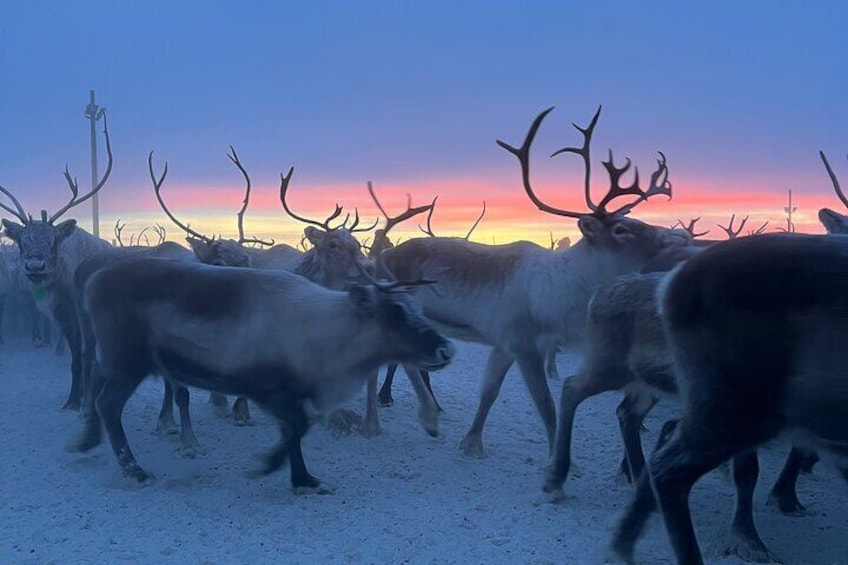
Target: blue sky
[739, 95]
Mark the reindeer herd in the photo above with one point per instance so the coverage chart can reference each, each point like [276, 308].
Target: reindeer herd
[743, 334]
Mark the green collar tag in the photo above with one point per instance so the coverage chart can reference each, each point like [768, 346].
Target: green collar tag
[39, 294]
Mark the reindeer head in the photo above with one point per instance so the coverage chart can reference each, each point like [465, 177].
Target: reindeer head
[833, 222]
[39, 240]
[335, 260]
[381, 235]
[603, 229]
[210, 250]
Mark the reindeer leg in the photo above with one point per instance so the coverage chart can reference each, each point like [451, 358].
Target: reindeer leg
[784, 493]
[532, 366]
[745, 541]
[425, 376]
[496, 367]
[188, 441]
[428, 411]
[220, 405]
[385, 394]
[65, 314]
[551, 365]
[576, 388]
[92, 433]
[241, 412]
[631, 412]
[371, 424]
[117, 389]
[166, 425]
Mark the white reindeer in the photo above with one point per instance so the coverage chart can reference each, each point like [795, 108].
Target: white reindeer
[50, 253]
[525, 300]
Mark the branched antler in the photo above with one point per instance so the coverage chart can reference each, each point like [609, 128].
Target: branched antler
[119, 228]
[157, 188]
[233, 156]
[690, 227]
[758, 230]
[659, 179]
[728, 229]
[410, 212]
[429, 229]
[325, 225]
[72, 182]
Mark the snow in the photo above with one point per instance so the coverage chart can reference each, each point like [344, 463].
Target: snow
[401, 497]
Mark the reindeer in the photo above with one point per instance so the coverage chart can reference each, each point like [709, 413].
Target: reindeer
[833, 222]
[290, 345]
[335, 261]
[92, 378]
[752, 326]
[627, 350]
[522, 299]
[232, 253]
[50, 253]
[382, 242]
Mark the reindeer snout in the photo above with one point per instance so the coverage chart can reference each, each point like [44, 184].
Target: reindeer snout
[35, 266]
[446, 352]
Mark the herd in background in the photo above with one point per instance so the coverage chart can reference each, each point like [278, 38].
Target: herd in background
[739, 332]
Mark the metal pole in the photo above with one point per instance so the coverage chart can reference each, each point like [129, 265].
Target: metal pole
[93, 113]
[790, 227]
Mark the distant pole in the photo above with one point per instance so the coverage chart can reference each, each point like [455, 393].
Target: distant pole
[94, 112]
[790, 227]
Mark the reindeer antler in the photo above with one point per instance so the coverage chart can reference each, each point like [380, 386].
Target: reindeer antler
[233, 156]
[834, 181]
[157, 188]
[119, 228]
[690, 227]
[19, 212]
[410, 212]
[325, 225]
[72, 182]
[659, 179]
[728, 229]
[759, 230]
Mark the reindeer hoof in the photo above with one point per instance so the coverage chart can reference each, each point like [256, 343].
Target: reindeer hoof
[72, 405]
[321, 488]
[385, 401]
[241, 413]
[166, 427]
[472, 446]
[748, 549]
[86, 442]
[142, 477]
[370, 430]
[788, 504]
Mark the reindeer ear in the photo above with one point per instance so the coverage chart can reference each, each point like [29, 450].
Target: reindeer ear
[364, 299]
[12, 230]
[66, 228]
[199, 247]
[590, 226]
[314, 235]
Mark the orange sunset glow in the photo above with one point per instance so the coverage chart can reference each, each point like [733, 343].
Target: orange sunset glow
[510, 216]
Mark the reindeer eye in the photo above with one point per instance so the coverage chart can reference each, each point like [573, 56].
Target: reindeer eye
[619, 230]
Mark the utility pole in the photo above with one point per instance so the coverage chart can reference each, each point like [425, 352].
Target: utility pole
[790, 227]
[93, 112]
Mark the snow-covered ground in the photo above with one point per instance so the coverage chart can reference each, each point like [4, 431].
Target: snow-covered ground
[402, 497]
